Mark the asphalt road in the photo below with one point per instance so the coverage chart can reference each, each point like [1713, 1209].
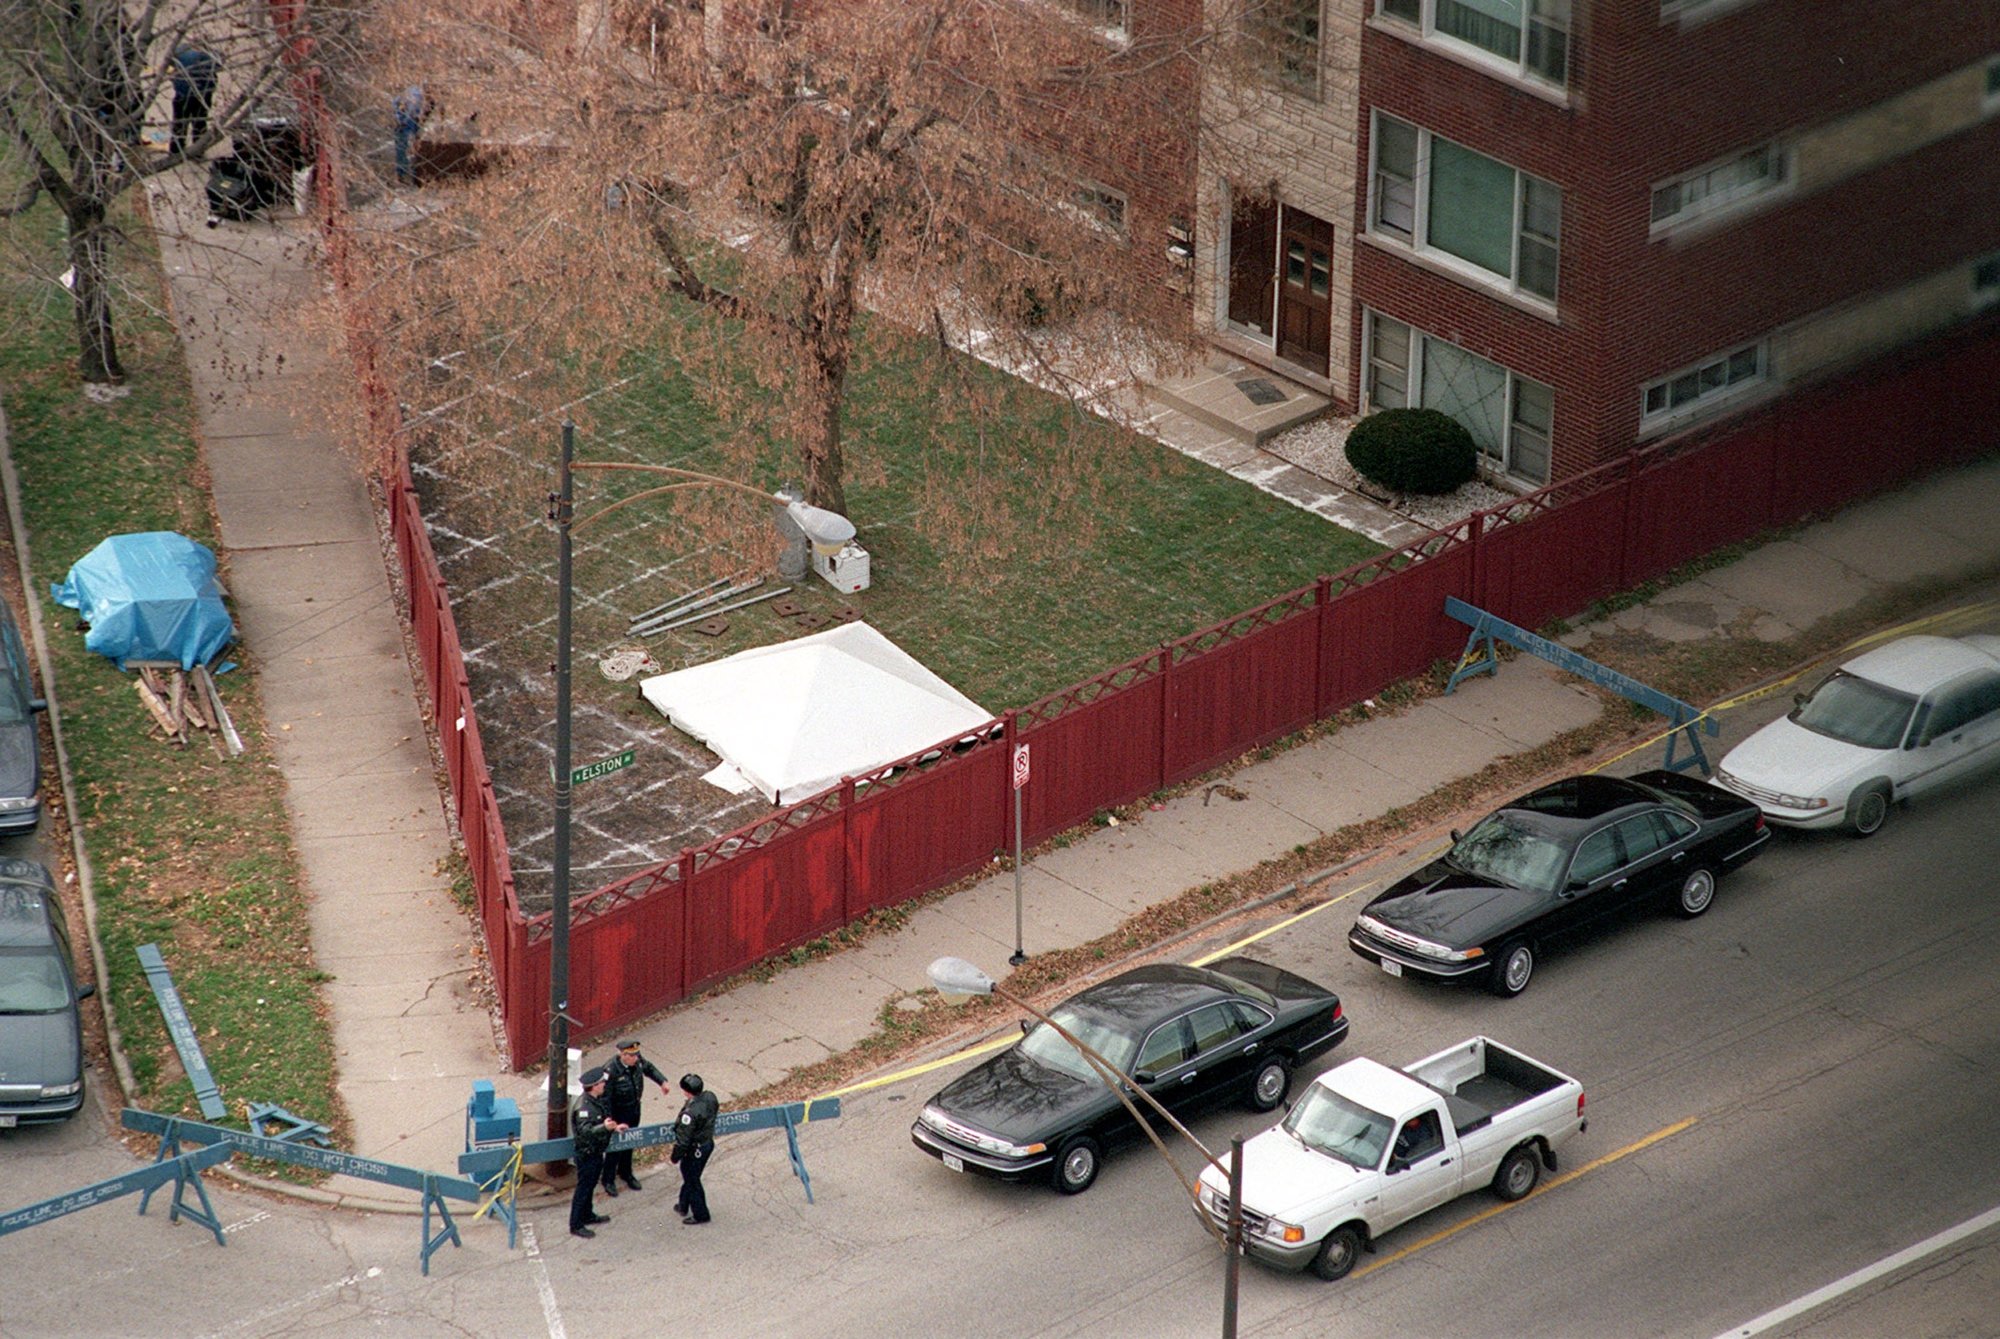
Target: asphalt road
[1814, 1063]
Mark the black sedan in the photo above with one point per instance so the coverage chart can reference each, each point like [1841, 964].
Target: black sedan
[1189, 1036]
[1551, 863]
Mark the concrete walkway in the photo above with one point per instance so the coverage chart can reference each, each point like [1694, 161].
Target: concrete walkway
[321, 628]
[305, 568]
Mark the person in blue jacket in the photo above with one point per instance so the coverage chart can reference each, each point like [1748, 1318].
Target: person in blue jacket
[194, 72]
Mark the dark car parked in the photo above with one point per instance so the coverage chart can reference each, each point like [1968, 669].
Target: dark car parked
[20, 750]
[41, 1034]
[1552, 863]
[1189, 1036]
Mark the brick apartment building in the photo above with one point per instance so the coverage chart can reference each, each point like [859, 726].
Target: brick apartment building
[1578, 226]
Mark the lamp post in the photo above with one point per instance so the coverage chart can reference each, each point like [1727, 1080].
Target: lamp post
[826, 530]
[955, 977]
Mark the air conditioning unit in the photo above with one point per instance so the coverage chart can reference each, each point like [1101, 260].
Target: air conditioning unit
[845, 571]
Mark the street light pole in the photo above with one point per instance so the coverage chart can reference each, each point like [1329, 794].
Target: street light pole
[956, 976]
[561, 511]
[826, 530]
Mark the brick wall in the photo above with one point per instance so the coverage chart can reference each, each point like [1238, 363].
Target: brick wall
[1648, 101]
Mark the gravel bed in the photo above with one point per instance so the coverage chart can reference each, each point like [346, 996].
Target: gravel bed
[1319, 447]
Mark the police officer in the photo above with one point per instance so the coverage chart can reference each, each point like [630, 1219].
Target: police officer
[591, 1126]
[624, 1084]
[694, 1141]
[194, 73]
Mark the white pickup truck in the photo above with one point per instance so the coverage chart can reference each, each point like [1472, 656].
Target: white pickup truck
[1366, 1148]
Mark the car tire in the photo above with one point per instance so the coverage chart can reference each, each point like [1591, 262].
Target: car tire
[1336, 1255]
[1513, 967]
[1697, 893]
[1077, 1161]
[1868, 809]
[1520, 1172]
[1270, 1083]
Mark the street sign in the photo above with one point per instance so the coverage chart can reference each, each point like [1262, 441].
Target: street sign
[617, 762]
[1020, 766]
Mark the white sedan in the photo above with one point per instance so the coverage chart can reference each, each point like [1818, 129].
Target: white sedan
[1897, 721]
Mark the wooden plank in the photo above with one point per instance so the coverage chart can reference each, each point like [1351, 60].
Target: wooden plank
[206, 681]
[176, 703]
[158, 710]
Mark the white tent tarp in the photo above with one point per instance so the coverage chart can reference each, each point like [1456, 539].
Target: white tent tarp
[795, 718]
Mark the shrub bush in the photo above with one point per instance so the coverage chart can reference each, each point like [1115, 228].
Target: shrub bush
[1413, 451]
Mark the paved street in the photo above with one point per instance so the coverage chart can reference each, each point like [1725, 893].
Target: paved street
[1819, 1050]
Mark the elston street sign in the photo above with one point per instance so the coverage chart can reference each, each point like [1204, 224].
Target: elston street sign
[617, 762]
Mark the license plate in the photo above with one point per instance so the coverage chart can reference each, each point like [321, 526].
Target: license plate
[7, 1122]
[1392, 967]
[955, 1163]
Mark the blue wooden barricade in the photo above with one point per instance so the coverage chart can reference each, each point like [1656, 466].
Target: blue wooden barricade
[181, 1028]
[183, 1170]
[435, 1189]
[498, 1169]
[1487, 628]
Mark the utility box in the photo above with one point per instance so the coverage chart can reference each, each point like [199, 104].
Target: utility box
[846, 571]
[490, 1121]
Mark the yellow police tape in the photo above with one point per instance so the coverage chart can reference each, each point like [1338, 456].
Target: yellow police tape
[510, 1184]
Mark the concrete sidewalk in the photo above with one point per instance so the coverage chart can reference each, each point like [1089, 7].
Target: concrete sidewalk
[307, 574]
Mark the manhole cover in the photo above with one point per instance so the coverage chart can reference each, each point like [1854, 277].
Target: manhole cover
[1259, 391]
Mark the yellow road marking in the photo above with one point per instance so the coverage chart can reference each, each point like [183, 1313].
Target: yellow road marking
[1563, 1180]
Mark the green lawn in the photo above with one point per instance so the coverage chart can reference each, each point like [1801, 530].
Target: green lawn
[190, 851]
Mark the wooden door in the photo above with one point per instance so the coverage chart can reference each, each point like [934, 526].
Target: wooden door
[1253, 257]
[1305, 291]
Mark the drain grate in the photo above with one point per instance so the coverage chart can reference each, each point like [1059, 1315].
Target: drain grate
[1259, 391]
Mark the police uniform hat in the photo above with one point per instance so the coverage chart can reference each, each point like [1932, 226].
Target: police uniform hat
[691, 1083]
[593, 1076]
[629, 1044]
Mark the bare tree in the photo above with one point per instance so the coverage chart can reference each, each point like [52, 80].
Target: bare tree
[85, 92]
[1001, 175]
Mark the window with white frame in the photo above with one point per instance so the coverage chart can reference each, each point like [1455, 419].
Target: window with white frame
[1101, 205]
[1446, 200]
[1510, 417]
[1530, 38]
[1713, 381]
[1719, 186]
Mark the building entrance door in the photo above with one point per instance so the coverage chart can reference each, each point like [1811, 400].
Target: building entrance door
[1253, 258]
[1305, 291]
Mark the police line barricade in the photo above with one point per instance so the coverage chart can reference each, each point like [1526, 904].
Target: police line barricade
[174, 1131]
[1688, 719]
[183, 1170]
[498, 1170]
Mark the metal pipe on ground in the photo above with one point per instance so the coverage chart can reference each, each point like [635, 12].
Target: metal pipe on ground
[660, 610]
[711, 613]
[652, 626]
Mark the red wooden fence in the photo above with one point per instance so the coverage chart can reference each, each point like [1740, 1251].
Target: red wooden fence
[653, 938]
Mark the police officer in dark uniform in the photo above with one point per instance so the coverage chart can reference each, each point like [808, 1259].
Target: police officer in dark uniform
[591, 1126]
[694, 1142]
[624, 1084]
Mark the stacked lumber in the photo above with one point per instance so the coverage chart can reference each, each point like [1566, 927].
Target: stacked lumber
[178, 700]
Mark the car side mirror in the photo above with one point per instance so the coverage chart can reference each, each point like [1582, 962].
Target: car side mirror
[1143, 1076]
[85, 992]
[38, 704]
[1455, 836]
[1798, 699]
[1024, 1027]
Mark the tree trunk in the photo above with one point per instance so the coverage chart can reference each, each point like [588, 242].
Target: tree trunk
[90, 289]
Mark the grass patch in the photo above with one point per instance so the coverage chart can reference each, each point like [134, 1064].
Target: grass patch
[191, 852]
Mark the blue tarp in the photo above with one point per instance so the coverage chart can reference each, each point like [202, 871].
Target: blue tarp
[149, 597]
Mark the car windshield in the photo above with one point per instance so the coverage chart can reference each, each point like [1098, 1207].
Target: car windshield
[1504, 849]
[32, 982]
[1326, 1121]
[1045, 1044]
[1855, 711]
